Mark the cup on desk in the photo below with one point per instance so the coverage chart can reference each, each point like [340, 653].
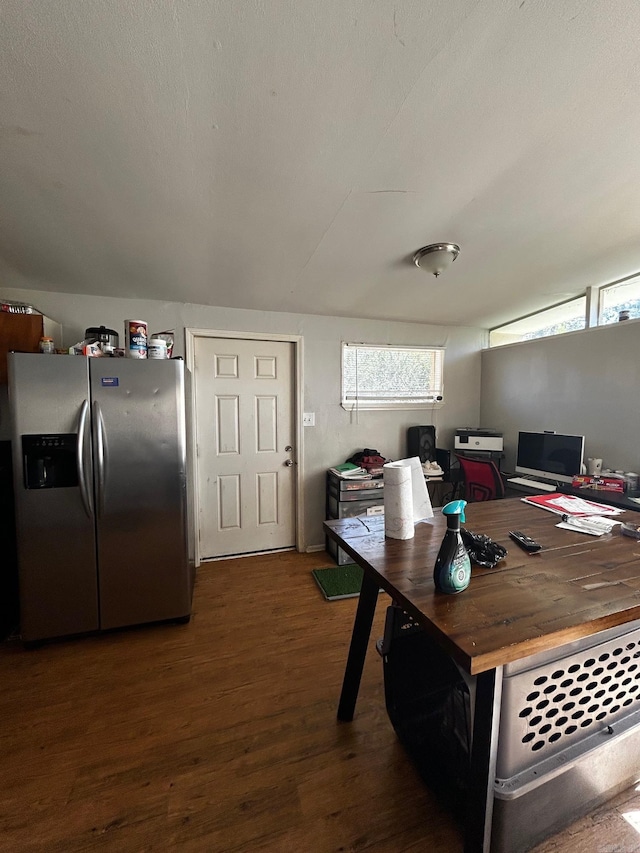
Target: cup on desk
[594, 467]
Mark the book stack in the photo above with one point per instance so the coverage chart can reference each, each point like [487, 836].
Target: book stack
[348, 471]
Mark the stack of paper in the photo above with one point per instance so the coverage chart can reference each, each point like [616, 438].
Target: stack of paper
[348, 472]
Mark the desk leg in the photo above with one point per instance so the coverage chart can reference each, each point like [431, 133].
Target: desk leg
[358, 648]
[484, 750]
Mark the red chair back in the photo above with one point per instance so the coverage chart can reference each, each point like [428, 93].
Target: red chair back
[482, 478]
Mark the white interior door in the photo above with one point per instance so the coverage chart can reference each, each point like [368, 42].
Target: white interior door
[245, 428]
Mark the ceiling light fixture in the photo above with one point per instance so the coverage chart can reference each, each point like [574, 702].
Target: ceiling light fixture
[437, 257]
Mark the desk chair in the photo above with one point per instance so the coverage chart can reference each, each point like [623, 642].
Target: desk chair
[482, 479]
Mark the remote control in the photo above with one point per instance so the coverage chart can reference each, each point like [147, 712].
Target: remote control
[525, 541]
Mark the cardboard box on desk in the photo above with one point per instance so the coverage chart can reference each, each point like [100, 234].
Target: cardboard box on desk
[603, 484]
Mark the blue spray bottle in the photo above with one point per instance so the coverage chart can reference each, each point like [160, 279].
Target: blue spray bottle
[452, 571]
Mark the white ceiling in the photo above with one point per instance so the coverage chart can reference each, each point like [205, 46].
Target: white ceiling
[292, 156]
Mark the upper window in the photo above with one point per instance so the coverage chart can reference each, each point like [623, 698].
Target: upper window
[617, 301]
[620, 298]
[390, 377]
[568, 317]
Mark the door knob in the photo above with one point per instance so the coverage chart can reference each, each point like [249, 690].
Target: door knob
[288, 462]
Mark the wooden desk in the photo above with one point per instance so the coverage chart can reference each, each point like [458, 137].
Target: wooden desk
[576, 586]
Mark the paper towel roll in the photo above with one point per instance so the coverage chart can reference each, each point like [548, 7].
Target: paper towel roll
[406, 499]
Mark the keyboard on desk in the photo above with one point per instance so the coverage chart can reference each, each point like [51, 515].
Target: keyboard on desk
[532, 484]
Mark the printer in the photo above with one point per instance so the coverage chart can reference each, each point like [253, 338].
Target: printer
[477, 439]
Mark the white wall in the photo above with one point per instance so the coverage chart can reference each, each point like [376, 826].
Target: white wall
[585, 383]
[337, 434]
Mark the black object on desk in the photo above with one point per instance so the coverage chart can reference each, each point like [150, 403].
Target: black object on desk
[524, 541]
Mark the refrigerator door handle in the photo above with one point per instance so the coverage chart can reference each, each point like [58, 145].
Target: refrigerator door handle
[80, 451]
[100, 456]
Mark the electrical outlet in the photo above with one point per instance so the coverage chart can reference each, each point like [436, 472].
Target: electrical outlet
[309, 419]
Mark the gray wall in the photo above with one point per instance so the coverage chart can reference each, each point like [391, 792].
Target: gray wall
[337, 433]
[585, 383]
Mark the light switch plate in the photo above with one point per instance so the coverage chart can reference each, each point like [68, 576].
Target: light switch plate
[309, 419]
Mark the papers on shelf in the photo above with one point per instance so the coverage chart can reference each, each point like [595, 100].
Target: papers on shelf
[570, 505]
[353, 473]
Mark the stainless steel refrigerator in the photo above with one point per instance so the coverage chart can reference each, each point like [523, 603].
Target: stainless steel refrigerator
[100, 479]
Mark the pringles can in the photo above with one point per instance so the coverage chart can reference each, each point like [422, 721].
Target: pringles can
[135, 336]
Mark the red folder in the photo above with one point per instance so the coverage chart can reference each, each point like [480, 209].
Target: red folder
[570, 505]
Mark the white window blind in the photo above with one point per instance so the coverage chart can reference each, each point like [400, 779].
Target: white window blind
[391, 377]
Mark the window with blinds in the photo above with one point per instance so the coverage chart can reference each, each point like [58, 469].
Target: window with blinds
[391, 377]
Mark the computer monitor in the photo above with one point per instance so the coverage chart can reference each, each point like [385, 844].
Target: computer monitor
[550, 455]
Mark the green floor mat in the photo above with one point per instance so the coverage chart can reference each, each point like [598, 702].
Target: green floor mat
[339, 581]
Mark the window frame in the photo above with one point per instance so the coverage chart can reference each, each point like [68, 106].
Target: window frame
[432, 399]
[529, 324]
[632, 280]
[594, 297]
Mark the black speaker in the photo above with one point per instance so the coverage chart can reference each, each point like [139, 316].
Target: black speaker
[421, 442]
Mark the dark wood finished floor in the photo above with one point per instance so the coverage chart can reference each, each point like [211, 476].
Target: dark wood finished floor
[221, 736]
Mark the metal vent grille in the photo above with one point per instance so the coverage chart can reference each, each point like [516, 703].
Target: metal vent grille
[553, 706]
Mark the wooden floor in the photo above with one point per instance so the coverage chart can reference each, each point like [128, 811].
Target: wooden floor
[221, 735]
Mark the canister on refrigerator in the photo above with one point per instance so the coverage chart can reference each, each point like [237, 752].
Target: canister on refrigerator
[157, 348]
[135, 334]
